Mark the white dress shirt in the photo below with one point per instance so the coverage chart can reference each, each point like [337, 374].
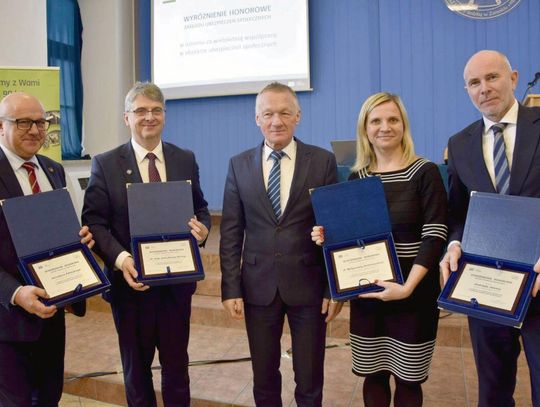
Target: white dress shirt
[16, 163]
[142, 163]
[509, 135]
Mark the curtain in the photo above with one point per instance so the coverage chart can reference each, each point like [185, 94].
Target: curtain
[64, 45]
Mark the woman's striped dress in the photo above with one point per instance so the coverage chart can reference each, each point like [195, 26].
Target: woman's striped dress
[399, 336]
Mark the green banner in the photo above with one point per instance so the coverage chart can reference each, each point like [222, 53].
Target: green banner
[43, 83]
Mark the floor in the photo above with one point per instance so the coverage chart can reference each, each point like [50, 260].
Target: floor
[219, 375]
[69, 400]
[452, 380]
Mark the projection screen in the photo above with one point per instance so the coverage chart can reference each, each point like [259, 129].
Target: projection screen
[213, 47]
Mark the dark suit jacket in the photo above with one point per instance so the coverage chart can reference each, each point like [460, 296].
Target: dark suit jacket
[105, 209]
[260, 255]
[15, 323]
[467, 170]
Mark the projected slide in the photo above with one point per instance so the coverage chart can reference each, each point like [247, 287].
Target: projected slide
[215, 47]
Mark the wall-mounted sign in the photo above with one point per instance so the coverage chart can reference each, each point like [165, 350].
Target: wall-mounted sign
[43, 83]
[481, 9]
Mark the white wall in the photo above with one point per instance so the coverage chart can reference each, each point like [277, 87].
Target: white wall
[107, 70]
[107, 60]
[107, 67]
[23, 30]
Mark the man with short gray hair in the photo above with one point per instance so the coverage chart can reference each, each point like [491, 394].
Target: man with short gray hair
[145, 318]
[270, 267]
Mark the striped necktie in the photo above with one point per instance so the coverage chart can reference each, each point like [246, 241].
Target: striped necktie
[153, 173]
[274, 181]
[30, 168]
[500, 161]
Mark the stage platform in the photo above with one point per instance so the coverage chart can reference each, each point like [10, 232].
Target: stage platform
[218, 346]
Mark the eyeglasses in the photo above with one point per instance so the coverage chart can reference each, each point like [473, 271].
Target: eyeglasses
[142, 112]
[26, 124]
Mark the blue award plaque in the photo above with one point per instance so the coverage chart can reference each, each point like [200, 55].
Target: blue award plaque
[164, 250]
[45, 232]
[499, 249]
[358, 243]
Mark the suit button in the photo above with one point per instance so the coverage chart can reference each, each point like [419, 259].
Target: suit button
[278, 254]
[278, 229]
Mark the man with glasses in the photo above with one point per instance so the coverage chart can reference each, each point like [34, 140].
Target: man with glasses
[145, 318]
[32, 335]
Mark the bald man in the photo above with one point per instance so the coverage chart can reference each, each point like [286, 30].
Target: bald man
[490, 82]
[32, 335]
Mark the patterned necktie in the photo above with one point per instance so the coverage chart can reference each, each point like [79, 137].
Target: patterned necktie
[500, 162]
[31, 170]
[274, 182]
[153, 173]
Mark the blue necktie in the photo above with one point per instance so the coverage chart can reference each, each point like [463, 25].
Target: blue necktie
[500, 162]
[274, 182]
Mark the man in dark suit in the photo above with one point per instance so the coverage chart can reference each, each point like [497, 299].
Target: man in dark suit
[145, 318]
[32, 335]
[472, 166]
[270, 266]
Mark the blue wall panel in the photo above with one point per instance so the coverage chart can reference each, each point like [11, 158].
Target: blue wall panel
[416, 48]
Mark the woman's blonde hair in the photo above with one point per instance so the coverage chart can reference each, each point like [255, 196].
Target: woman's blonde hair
[365, 155]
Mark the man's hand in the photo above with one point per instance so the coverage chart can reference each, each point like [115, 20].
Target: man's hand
[331, 309]
[235, 307]
[450, 260]
[536, 285]
[317, 235]
[198, 230]
[28, 299]
[86, 237]
[130, 275]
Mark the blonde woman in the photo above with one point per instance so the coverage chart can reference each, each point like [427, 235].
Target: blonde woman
[393, 331]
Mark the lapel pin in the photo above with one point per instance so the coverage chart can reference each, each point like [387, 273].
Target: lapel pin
[51, 169]
[128, 172]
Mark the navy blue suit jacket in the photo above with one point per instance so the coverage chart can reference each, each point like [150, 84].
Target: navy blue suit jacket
[275, 255]
[467, 169]
[105, 209]
[15, 323]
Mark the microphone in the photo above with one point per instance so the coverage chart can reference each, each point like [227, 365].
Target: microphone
[535, 80]
[530, 85]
